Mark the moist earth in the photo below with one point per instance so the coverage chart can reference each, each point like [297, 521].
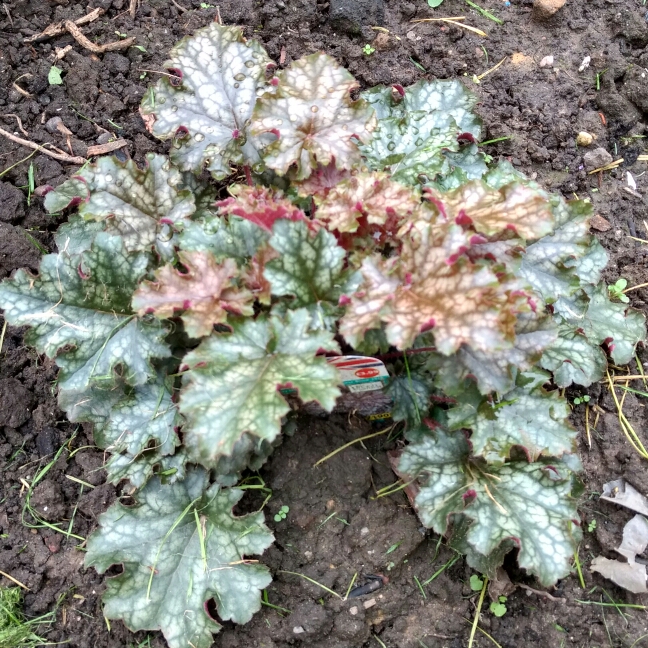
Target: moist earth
[337, 526]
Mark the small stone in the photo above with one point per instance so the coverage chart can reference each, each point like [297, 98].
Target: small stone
[104, 138]
[543, 9]
[350, 16]
[298, 630]
[547, 61]
[364, 531]
[51, 125]
[599, 223]
[354, 610]
[369, 603]
[584, 138]
[597, 158]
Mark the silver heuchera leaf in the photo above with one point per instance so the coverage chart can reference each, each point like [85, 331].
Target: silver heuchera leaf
[528, 504]
[603, 321]
[310, 269]
[181, 546]
[136, 425]
[417, 126]
[207, 106]
[313, 117]
[573, 359]
[79, 311]
[140, 205]
[232, 385]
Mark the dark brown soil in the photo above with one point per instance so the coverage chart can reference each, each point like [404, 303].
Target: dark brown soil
[335, 527]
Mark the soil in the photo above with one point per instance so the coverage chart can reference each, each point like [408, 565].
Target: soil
[335, 527]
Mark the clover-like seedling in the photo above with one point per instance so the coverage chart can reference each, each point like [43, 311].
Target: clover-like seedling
[582, 399]
[476, 583]
[368, 49]
[617, 289]
[281, 514]
[497, 607]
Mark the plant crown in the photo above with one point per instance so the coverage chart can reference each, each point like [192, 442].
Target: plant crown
[373, 220]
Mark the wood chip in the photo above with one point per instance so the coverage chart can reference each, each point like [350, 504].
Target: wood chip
[79, 37]
[599, 223]
[56, 29]
[60, 52]
[370, 603]
[101, 149]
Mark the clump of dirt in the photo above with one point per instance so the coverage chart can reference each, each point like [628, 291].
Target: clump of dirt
[336, 526]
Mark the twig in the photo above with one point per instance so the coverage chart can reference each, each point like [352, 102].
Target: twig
[177, 6]
[8, 14]
[218, 16]
[56, 29]
[608, 167]
[20, 126]
[453, 21]
[538, 592]
[63, 157]
[79, 37]
[12, 579]
[132, 10]
[24, 93]
[346, 445]
[100, 149]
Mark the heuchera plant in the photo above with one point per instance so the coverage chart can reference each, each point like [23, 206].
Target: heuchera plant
[177, 314]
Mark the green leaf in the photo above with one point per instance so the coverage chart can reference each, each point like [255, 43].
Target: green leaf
[54, 76]
[230, 237]
[136, 425]
[181, 546]
[411, 397]
[312, 117]
[208, 110]
[528, 504]
[77, 235]
[232, 385]
[476, 583]
[310, 268]
[140, 205]
[536, 421]
[604, 321]
[435, 3]
[79, 311]
[573, 359]
[416, 130]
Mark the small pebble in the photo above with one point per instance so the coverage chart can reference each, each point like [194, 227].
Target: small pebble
[51, 125]
[298, 630]
[364, 531]
[584, 139]
[547, 61]
[543, 9]
[597, 158]
[369, 603]
[354, 610]
[599, 223]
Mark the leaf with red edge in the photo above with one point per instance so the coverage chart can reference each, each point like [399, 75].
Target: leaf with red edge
[322, 180]
[259, 205]
[253, 274]
[490, 211]
[434, 285]
[371, 198]
[313, 117]
[206, 293]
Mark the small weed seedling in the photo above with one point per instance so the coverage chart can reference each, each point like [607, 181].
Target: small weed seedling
[592, 525]
[581, 399]
[368, 49]
[476, 583]
[178, 317]
[497, 607]
[616, 290]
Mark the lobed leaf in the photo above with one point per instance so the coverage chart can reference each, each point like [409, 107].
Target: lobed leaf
[310, 268]
[491, 211]
[536, 421]
[259, 205]
[181, 546]
[313, 118]
[206, 107]
[206, 293]
[573, 359]
[79, 311]
[411, 398]
[603, 321]
[232, 385]
[527, 504]
[368, 201]
[137, 204]
[434, 285]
